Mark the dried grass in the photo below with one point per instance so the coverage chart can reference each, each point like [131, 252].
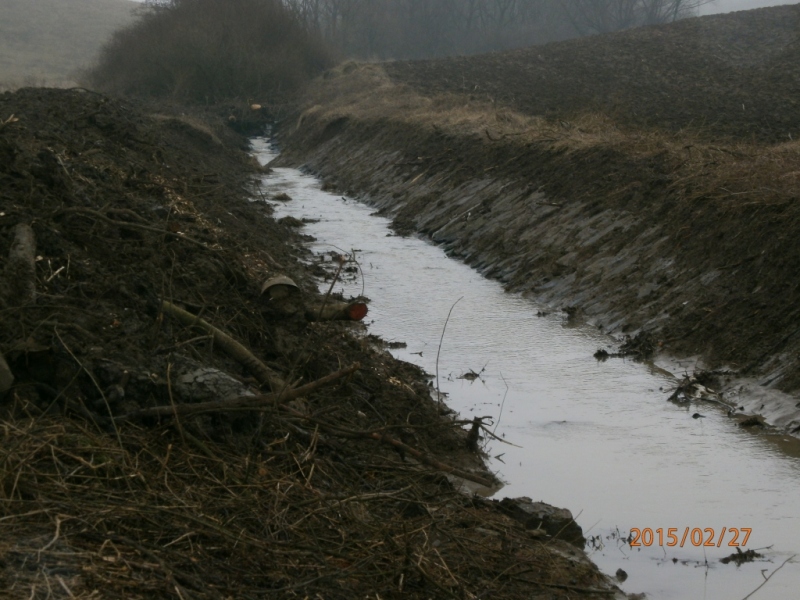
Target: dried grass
[739, 171]
[83, 517]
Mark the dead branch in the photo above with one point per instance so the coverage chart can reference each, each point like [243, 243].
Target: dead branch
[494, 437]
[20, 271]
[767, 578]
[5, 123]
[6, 376]
[128, 224]
[262, 372]
[255, 403]
[387, 439]
[337, 311]
[430, 461]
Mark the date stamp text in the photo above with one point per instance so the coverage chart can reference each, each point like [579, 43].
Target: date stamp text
[735, 537]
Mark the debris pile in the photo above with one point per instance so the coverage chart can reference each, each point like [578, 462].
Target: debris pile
[167, 430]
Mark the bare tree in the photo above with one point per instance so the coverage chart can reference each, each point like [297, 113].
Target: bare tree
[604, 16]
[427, 28]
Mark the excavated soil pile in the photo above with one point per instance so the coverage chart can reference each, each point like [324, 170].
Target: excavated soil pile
[733, 75]
[142, 455]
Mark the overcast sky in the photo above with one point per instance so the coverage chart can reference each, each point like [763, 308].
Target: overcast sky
[721, 6]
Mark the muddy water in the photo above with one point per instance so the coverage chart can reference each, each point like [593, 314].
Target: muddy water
[597, 438]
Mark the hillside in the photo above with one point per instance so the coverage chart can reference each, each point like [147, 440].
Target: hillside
[736, 75]
[45, 41]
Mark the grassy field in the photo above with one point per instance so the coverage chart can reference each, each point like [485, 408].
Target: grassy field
[43, 42]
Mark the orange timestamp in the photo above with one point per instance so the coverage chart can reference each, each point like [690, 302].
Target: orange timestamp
[694, 536]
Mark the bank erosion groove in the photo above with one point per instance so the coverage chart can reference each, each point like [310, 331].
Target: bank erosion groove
[170, 426]
[647, 181]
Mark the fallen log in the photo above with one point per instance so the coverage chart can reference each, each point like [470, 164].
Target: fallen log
[20, 271]
[255, 403]
[260, 371]
[337, 311]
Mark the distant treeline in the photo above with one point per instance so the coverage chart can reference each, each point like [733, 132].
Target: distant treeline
[213, 50]
[207, 51]
[430, 28]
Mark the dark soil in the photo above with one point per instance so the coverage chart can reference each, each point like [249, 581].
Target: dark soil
[317, 498]
[733, 75]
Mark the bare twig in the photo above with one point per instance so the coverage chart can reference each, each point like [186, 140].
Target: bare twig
[330, 289]
[502, 404]
[439, 350]
[766, 579]
[384, 438]
[255, 403]
[97, 386]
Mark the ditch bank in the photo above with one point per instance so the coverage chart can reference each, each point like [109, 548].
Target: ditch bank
[670, 242]
[168, 430]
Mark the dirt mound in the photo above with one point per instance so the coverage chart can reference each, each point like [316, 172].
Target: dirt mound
[142, 456]
[734, 75]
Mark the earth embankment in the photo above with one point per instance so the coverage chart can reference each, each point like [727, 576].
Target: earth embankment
[684, 237]
[168, 430]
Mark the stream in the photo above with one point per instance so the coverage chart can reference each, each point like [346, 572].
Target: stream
[598, 438]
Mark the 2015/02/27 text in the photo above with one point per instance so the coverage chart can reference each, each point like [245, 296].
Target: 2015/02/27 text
[695, 536]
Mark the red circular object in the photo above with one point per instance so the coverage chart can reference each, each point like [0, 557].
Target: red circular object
[357, 311]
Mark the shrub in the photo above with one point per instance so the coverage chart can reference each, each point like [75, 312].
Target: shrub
[210, 50]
